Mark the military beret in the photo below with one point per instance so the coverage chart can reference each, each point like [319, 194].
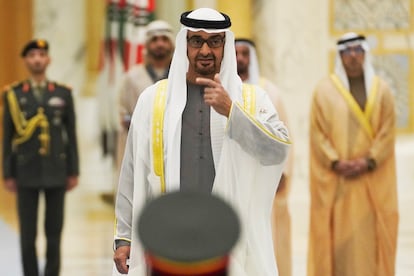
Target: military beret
[35, 44]
[185, 233]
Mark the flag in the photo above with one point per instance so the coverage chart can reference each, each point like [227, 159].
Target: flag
[122, 46]
[138, 14]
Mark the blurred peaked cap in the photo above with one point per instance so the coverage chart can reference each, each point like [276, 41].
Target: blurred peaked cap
[159, 28]
[35, 44]
[180, 230]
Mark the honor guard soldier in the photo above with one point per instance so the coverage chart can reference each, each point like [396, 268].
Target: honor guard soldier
[40, 154]
[186, 233]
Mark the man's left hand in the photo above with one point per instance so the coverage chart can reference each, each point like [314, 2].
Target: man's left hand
[282, 184]
[71, 182]
[10, 184]
[357, 167]
[360, 165]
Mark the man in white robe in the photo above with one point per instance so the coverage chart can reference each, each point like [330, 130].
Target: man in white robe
[248, 145]
[159, 46]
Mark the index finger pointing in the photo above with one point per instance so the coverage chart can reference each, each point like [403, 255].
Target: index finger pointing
[206, 82]
[217, 78]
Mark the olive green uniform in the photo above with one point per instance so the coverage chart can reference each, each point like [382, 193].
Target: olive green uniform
[40, 153]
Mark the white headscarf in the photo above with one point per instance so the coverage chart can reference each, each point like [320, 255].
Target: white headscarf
[254, 71]
[369, 73]
[159, 28]
[177, 89]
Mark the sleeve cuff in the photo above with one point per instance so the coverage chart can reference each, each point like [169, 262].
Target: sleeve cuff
[333, 164]
[371, 164]
[119, 243]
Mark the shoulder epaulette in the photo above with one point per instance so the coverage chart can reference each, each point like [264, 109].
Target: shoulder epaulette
[7, 87]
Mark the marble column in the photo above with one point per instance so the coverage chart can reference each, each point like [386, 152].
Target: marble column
[61, 23]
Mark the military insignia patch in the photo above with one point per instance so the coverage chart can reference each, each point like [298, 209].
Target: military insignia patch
[56, 102]
[41, 43]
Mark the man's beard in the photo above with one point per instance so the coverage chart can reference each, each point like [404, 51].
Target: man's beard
[159, 54]
[206, 71]
[37, 69]
[354, 69]
[242, 69]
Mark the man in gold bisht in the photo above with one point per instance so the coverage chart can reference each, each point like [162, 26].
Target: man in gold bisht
[354, 216]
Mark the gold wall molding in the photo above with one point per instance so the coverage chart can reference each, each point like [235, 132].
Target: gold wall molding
[95, 21]
[240, 12]
[16, 29]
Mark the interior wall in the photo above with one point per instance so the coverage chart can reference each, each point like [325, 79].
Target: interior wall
[62, 24]
[15, 31]
[94, 27]
[293, 41]
[170, 11]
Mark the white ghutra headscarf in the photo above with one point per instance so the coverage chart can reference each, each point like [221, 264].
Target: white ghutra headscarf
[348, 40]
[254, 71]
